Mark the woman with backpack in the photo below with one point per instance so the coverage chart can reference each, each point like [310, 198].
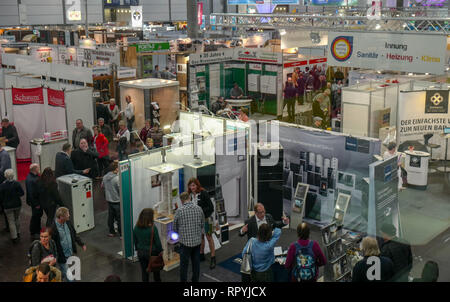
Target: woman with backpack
[262, 253]
[44, 250]
[304, 257]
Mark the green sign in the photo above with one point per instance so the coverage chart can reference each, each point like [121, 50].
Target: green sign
[149, 47]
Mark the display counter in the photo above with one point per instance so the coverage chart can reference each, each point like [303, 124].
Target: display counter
[238, 103]
[416, 165]
[44, 153]
[12, 155]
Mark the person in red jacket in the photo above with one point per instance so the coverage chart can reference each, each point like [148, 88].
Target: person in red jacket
[101, 145]
[145, 131]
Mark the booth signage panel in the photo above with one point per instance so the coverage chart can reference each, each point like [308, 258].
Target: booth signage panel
[152, 47]
[295, 64]
[317, 61]
[8, 38]
[399, 52]
[423, 112]
[258, 56]
[73, 10]
[126, 73]
[385, 182]
[136, 16]
[211, 57]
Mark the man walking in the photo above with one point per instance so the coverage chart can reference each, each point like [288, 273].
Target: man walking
[189, 223]
[65, 237]
[112, 195]
[33, 202]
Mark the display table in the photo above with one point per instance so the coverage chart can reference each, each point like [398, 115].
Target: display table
[416, 165]
[238, 103]
[12, 155]
[44, 153]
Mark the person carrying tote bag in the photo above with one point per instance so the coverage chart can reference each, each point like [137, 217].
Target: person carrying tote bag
[156, 263]
[246, 265]
[143, 232]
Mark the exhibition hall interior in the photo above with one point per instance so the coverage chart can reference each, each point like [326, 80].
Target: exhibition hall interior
[224, 141]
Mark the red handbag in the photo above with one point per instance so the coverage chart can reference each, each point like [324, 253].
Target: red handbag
[156, 263]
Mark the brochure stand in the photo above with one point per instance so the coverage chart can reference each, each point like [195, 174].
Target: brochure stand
[338, 268]
[298, 206]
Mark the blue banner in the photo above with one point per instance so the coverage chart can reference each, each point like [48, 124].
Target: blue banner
[335, 2]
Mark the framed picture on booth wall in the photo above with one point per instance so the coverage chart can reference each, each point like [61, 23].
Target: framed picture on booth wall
[156, 181]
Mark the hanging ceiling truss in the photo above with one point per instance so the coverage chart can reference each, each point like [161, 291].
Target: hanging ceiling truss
[352, 21]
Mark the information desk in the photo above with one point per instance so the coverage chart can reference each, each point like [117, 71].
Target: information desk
[44, 153]
[12, 155]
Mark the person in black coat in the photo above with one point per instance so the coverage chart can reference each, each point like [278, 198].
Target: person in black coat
[62, 222]
[201, 197]
[46, 192]
[398, 250]
[63, 163]
[10, 198]
[10, 132]
[252, 224]
[370, 249]
[103, 112]
[32, 201]
[84, 158]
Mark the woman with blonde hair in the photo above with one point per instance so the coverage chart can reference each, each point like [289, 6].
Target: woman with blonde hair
[364, 270]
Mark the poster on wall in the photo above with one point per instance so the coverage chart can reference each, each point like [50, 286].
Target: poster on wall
[73, 10]
[384, 194]
[386, 51]
[44, 53]
[29, 117]
[56, 109]
[136, 16]
[322, 161]
[424, 112]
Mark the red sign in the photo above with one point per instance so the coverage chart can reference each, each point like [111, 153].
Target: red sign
[199, 12]
[315, 61]
[88, 194]
[25, 96]
[55, 98]
[295, 64]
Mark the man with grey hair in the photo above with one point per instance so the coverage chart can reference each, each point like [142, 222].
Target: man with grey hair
[81, 132]
[362, 272]
[106, 129]
[317, 122]
[32, 201]
[65, 237]
[10, 198]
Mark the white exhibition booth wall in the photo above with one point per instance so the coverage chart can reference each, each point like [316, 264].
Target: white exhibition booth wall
[362, 76]
[143, 92]
[33, 120]
[424, 112]
[368, 107]
[137, 192]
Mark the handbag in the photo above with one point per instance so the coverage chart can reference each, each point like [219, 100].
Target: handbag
[246, 265]
[156, 263]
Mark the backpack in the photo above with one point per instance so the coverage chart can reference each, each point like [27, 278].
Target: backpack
[305, 263]
[31, 249]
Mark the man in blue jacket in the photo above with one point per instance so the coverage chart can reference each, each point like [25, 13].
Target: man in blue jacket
[63, 163]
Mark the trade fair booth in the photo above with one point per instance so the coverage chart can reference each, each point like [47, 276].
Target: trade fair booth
[154, 99]
[330, 163]
[155, 179]
[44, 113]
[257, 72]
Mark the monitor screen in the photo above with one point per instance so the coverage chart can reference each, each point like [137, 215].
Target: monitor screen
[447, 130]
[207, 177]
